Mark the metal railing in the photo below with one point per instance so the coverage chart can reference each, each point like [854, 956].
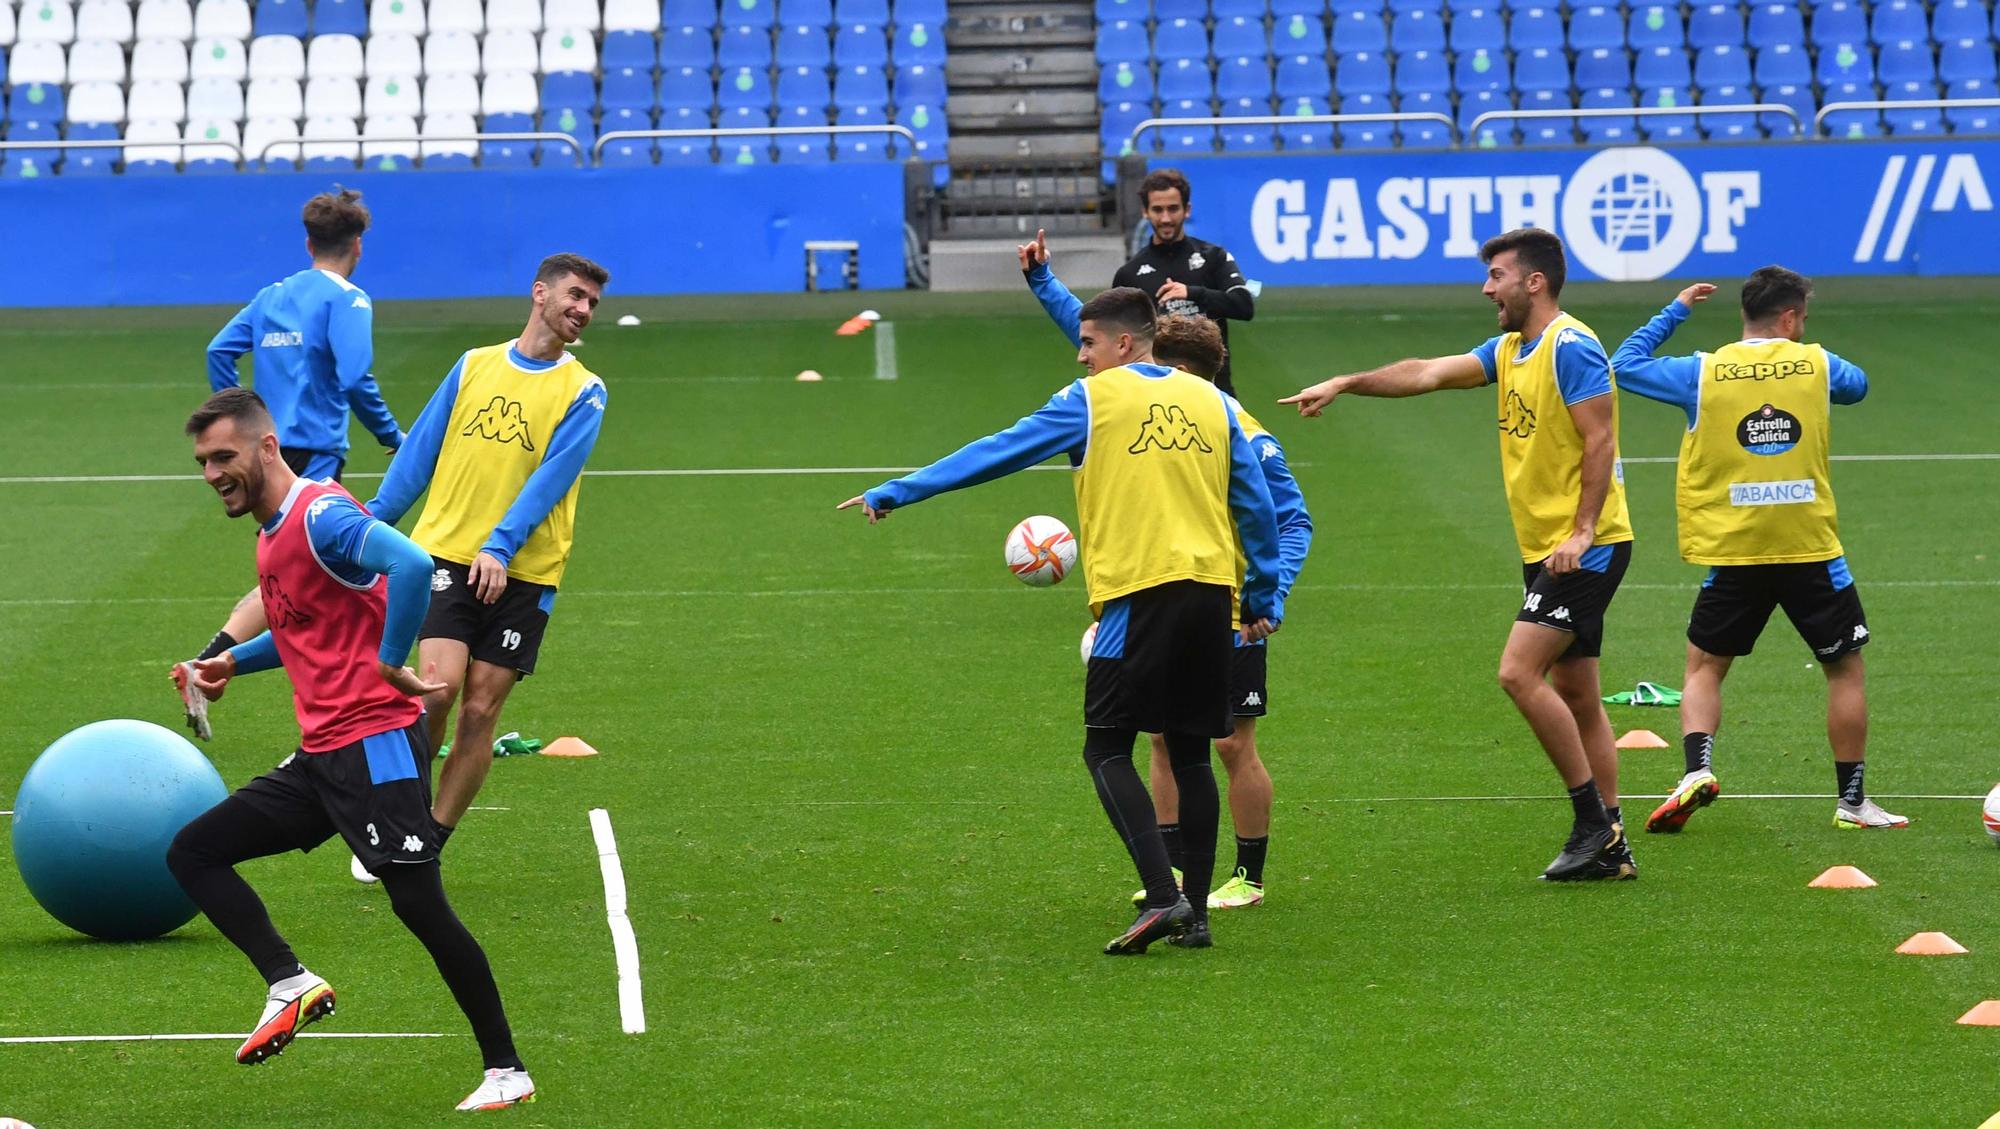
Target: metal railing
[1798, 125]
[1300, 119]
[120, 143]
[569, 141]
[603, 139]
[1819, 119]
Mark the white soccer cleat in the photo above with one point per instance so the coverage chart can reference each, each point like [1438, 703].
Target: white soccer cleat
[504, 1086]
[291, 1006]
[361, 873]
[192, 701]
[1865, 816]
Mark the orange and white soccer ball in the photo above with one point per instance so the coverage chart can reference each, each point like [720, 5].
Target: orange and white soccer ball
[1040, 550]
[1990, 815]
[14, 1123]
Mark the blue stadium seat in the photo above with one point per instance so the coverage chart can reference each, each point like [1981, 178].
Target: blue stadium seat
[1230, 9]
[1180, 39]
[744, 86]
[688, 13]
[803, 87]
[573, 122]
[920, 86]
[1123, 41]
[1668, 127]
[804, 45]
[1417, 30]
[1125, 82]
[1771, 24]
[492, 155]
[628, 49]
[744, 45]
[437, 162]
[804, 148]
[1661, 66]
[1306, 135]
[1837, 22]
[687, 46]
[622, 119]
[1196, 10]
[874, 13]
[754, 149]
[1185, 80]
[1850, 123]
[1603, 67]
[1303, 76]
[1799, 96]
[1972, 120]
[1400, 8]
[1359, 31]
[1247, 139]
[1721, 65]
[1729, 127]
[1243, 78]
[932, 136]
[761, 14]
[1476, 29]
[1240, 36]
[35, 102]
[624, 153]
[1543, 68]
[676, 150]
[930, 13]
[1108, 10]
[1296, 34]
[860, 88]
[1363, 72]
[1953, 20]
[1906, 61]
[1481, 70]
[918, 45]
[865, 147]
[1904, 123]
[680, 152]
[1844, 64]
[3, 79]
[1347, 7]
[340, 17]
[1655, 25]
[569, 88]
[1423, 101]
[860, 45]
[1535, 27]
[1547, 131]
[90, 162]
[1897, 20]
[1607, 130]
[1118, 121]
[1422, 72]
[1715, 25]
[818, 13]
[166, 168]
[683, 86]
[1783, 64]
[1597, 26]
[281, 17]
[1966, 59]
[1365, 135]
[1474, 103]
[1187, 139]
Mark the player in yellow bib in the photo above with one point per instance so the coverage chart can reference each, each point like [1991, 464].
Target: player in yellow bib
[501, 448]
[1756, 506]
[1559, 459]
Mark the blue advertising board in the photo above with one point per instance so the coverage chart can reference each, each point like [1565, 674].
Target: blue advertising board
[125, 241]
[1631, 213]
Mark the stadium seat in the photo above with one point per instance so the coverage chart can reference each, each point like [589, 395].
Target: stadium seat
[744, 46]
[448, 125]
[744, 86]
[1598, 26]
[1917, 122]
[806, 45]
[1360, 32]
[164, 19]
[628, 49]
[1187, 139]
[1906, 61]
[620, 15]
[1282, 10]
[860, 91]
[1173, 41]
[928, 124]
[468, 16]
[1653, 26]
[1401, 8]
[577, 124]
[36, 102]
[386, 96]
[385, 156]
[209, 58]
[443, 94]
[1118, 121]
[1363, 72]
[151, 158]
[1536, 27]
[1773, 24]
[1845, 64]
[1850, 123]
[333, 98]
[1476, 29]
[1715, 25]
[96, 60]
[585, 15]
[860, 45]
[680, 87]
[804, 87]
[1306, 135]
[215, 99]
[751, 149]
[1364, 135]
[1107, 10]
[276, 98]
[807, 148]
[1895, 21]
[568, 49]
[1720, 65]
[393, 53]
[1966, 59]
[280, 17]
[1344, 7]
[1303, 76]
[1972, 120]
[688, 46]
[1417, 30]
[690, 13]
[222, 19]
[506, 155]
[1481, 70]
[96, 102]
[1662, 67]
[261, 132]
[38, 62]
[393, 17]
[510, 93]
[337, 147]
[640, 152]
[918, 45]
[277, 56]
[1125, 82]
[1953, 20]
[1837, 22]
[459, 53]
[334, 56]
[50, 21]
[747, 13]
[1547, 131]
[340, 17]
[1668, 127]
[101, 19]
[215, 158]
[572, 89]
[1729, 127]
[1603, 67]
[1185, 80]
[1123, 41]
[872, 12]
[153, 101]
[1478, 102]
[510, 15]
[933, 13]
[1606, 130]
[818, 13]
[1239, 37]
[1299, 34]
[90, 161]
[1422, 72]
[1543, 68]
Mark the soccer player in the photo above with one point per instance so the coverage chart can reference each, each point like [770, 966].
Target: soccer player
[1559, 461]
[1166, 484]
[501, 448]
[312, 335]
[1194, 345]
[1756, 506]
[344, 594]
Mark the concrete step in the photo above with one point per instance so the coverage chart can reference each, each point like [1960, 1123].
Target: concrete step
[972, 148]
[1022, 66]
[1015, 26]
[961, 263]
[1031, 109]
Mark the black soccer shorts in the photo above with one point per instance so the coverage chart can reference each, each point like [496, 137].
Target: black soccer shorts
[1161, 662]
[1577, 601]
[507, 632]
[375, 794]
[1818, 597]
[1249, 695]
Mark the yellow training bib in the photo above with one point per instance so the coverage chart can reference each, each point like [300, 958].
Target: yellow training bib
[1753, 484]
[1541, 450]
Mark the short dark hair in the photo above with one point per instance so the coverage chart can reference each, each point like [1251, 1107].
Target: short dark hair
[1191, 343]
[1771, 290]
[1159, 180]
[334, 220]
[564, 262]
[1540, 251]
[240, 404]
[1125, 308]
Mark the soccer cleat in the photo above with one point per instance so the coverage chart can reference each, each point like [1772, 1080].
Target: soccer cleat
[1195, 936]
[502, 1087]
[1236, 893]
[361, 873]
[192, 700]
[1153, 925]
[1865, 816]
[286, 1013]
[1697, 790]
[1139, 895]
[1592, 856]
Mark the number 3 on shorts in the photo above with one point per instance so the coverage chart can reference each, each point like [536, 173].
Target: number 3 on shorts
[510, 639]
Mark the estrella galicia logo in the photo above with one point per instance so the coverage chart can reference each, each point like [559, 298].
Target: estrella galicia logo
[1169, 429]
[1519, 420]
[278, 606]
[1768, 431]
[501, 421]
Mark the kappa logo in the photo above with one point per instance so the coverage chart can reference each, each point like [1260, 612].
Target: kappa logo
[502, 421]
[440, 580]
[1169, 429]
[360, 303]
[1253, 698]
[1520, 419]
[1860, 632]
[412, 845]
[1144, 269]
[1197, 261]
[278, 607]
[1560, 614]
[1268, 451]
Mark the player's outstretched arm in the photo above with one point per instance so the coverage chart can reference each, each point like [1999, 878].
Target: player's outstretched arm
[1061, 426]
[1412, 377]
[1063, 306]
[416, 460]
[1670, 380]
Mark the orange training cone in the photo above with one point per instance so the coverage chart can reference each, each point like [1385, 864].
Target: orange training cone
[1983, 1014]
[1642, 739]
[853, 326]
[1842, 878]
[569, 747]
[1930, 945]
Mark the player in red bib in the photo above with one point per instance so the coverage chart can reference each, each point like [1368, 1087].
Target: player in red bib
[344, 595]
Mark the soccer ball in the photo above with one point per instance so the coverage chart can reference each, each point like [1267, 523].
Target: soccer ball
[1991, 815]
[1090, 640]
[1040, 551]
[14, 1123]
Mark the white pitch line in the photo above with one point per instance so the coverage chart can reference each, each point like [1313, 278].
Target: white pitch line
[631, 1003]
[1629, 796]
[24, 1039]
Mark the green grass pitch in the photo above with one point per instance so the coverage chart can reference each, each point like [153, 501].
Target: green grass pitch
[868, 875]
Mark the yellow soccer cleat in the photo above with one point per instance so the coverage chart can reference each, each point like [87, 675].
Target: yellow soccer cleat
[1696, 791]
[291, 1006]
[1236, 893]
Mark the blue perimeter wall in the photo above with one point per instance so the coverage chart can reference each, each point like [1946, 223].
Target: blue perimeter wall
[141, 241]
[1633, 213]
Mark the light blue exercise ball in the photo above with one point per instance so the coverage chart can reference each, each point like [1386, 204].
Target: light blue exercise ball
[92, 822]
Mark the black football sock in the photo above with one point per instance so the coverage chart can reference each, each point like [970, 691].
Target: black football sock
[1250, 857]
[1588, 805]
[1848, 773]
[1696, 749]
[202, 859]
[1612, 813]
[1170, 834]
[223, 641]
[1201, 814]
[416, 892]
[1107, 753]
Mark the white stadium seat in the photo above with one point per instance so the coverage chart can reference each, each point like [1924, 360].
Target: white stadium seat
[153, 130]
[46, 21]
[513, 15]
[214, 129]
[568, 49]
[277, 56]
[572, 13]
[392, 95]
[450, 125]
[213, 58]
[6, 23]
[454, 52]
[510, 51]
[457, 15]
[631, 15]
[396, 16]
[165, 19]
[510, 93]
[96, 102]
[334, 56]
[394, 53]
[333, 98]
[274, 98]
[331, 128]
[222, 19]
[217, 99]
[389, 125]
[451, 94]
[96, 60]
[165, 60]
[37, 61]
[156, 101]
[103, 19]
[264, 130]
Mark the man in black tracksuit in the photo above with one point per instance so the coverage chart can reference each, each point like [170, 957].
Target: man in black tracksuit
[1186, 276]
